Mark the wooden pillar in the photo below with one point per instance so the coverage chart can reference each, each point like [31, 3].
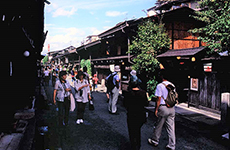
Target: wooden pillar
[172, 35]
[79, 58]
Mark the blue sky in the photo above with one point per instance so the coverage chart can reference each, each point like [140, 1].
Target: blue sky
[69, 22]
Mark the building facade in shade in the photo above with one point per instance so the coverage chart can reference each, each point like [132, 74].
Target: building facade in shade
[21, 26]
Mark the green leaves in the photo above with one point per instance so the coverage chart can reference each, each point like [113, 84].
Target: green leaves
[86, 63]
[45, 59]
[151, 40]
[216, 32]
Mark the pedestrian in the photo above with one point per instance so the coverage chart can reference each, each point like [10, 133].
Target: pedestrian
[47, 77]
[86, 74]
[95, 80]
[135, 102]
[165, 114]
[61, 97]
[74, 76]
[133, 74]
[107, 88]
[113, 84]
[72, 73]
[54, 77]
[82, 95]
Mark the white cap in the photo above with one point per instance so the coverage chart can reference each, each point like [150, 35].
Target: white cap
[117, 68]
[133, 72]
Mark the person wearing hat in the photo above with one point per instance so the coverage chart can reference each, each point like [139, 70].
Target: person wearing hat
[135, 102]
[82, 95]
[61, 97]
[114, 91]
[133, 74]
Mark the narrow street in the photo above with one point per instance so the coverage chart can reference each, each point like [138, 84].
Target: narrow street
[103, 131]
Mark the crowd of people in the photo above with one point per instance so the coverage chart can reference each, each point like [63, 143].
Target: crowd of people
[135, 101]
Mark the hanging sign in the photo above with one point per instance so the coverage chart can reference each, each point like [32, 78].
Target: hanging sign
[208, 67]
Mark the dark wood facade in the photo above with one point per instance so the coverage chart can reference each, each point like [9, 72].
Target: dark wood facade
[110, 50]
[177, 23]
[212, 84]
[22, 38]
[183, 68]
[22, 42]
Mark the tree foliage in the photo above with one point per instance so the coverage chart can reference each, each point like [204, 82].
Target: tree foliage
[150, 41]
[45, 59]
[216, 32]
[86, 63]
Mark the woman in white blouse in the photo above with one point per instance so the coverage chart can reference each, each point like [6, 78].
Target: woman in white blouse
[82, 95]
[61, 97]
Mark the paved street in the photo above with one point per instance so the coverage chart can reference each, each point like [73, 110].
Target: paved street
[103, 131]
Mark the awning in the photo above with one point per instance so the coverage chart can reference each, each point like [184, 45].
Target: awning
[181, 52]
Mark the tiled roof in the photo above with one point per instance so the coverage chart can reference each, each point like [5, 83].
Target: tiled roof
[181, 52]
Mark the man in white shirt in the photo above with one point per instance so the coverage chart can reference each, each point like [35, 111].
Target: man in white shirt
[165, 115]
[47, 77]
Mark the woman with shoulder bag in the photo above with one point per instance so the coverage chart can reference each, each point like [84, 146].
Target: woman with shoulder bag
[61, 97]
[82, 95]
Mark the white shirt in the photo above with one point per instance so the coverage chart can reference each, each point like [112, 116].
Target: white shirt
[85, 91]
[61, 93]
[161, 91]
[46, 72]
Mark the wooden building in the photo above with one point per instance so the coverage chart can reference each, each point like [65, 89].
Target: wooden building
[22, 38]
[190, 65]
[63, 56]
[110, 49]
[187, 59]
[22, 25]
[163, 6]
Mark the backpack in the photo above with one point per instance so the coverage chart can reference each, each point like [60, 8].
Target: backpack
[172, 97]
[109, 82]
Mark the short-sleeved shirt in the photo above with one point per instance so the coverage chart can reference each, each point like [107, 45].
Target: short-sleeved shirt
[161, 91]
[85, 91]
[61, 93]
[46, 73]
[95, 79]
